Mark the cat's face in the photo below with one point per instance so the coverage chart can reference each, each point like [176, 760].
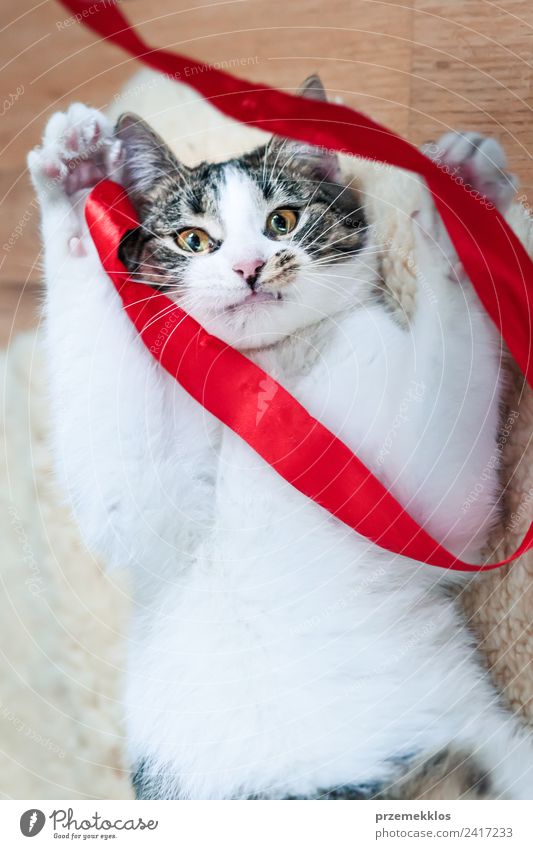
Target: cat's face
[255, 249]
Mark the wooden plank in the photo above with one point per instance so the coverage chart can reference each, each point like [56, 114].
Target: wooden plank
[361, 49]
[472, 70]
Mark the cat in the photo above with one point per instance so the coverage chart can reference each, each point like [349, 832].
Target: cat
[274, 653]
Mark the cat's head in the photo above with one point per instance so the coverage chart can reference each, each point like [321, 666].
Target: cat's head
[256, 248]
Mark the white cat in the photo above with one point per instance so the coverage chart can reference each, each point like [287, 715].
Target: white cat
[275, 653]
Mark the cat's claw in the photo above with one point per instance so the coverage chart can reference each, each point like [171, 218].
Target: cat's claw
[479, 162]
[78, 151]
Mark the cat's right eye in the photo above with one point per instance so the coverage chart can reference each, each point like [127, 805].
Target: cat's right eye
[194, 240]
[281, 222]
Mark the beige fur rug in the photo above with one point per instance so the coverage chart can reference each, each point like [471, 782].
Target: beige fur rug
[62, 619]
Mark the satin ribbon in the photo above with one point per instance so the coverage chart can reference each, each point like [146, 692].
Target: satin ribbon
[229, 385]
[494, 259]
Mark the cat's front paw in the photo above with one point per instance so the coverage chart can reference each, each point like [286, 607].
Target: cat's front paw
[479, 162]
[78, 151]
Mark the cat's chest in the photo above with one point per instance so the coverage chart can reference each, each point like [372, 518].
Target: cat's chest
[349, 383]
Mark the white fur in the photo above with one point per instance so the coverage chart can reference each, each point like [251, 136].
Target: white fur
[273, 650]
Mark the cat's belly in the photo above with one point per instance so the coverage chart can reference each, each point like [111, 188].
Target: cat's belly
[237, 695]
[269, 667]
[291, 655]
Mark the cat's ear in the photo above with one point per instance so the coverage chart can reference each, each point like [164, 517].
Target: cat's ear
[147, 157]
[322, 161]
[313, 88]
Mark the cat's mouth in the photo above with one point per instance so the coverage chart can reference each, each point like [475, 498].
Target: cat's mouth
[255, 299]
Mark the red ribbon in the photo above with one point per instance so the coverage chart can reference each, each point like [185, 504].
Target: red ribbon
[493, 257]
[305, 453]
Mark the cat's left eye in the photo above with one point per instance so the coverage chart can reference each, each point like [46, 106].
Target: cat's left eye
[281, 222]
[194, 240]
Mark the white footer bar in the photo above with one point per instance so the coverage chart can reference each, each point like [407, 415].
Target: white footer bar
[267, 825]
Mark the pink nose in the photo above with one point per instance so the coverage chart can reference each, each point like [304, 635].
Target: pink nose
[249, 269]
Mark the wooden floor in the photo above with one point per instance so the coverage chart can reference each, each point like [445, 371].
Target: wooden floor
[419, 66]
